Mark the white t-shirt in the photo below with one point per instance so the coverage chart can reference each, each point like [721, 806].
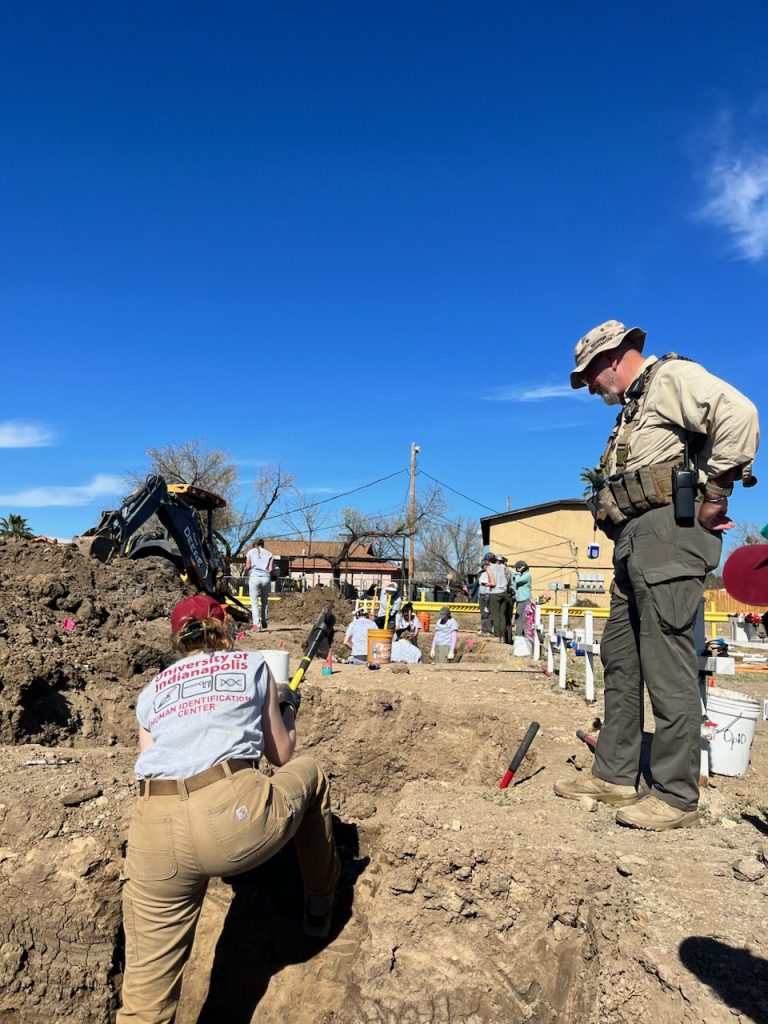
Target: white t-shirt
[201, 710]
[404, 650]
[400, 623]
[259, 559]
[394, 604]
[484, 582]
[357, 632]
[443, 632]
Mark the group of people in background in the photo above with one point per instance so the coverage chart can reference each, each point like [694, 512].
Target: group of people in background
[504, 596]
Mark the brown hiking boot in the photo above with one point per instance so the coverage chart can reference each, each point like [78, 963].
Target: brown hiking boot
[656, 815]
[606, 792]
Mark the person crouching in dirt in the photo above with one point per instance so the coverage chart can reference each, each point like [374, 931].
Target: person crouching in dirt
[445, 637]
[407, 625]
[204, 808]
[356, 637]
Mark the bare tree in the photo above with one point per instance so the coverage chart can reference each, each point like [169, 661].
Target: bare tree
[307, 519]
[214, 469]
[745, 533]
[387, 531]
[451, 548]
[191, 462]
[269, 488]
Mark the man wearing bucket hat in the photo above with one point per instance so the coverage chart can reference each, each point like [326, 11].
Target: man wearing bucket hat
[205, 809]
[661, 491]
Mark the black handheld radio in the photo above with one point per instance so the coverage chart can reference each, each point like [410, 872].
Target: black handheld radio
[684, 484]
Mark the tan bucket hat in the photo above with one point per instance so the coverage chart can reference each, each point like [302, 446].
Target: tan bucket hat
[600, 339]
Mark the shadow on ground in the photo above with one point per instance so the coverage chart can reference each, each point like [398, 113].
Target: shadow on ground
[263, 933]
[738, 977]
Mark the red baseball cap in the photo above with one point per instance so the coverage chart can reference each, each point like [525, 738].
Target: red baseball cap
[745, 574]
[198, 606]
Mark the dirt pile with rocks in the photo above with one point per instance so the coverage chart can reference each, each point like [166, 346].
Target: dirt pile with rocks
[73, 634]
[307, 607]
[460, 903]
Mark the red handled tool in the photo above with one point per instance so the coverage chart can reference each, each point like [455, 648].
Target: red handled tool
[586, 738]
[520, 753]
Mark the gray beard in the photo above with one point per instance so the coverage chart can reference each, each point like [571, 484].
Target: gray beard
[609, 398]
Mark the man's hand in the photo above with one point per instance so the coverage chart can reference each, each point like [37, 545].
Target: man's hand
[432, 653]
[286, 697]
[712, 516]
[450, 655]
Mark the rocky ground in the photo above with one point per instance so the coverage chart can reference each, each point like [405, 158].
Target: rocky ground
[460, 902]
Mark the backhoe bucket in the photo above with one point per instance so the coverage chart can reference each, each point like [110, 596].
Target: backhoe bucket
[104, 548]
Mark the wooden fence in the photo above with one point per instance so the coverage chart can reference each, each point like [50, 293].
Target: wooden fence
[721, 601]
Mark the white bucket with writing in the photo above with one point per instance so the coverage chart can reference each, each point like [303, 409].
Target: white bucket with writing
[278, 662]
[733, 717]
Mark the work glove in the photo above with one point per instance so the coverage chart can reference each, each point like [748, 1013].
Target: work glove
[450, 656]
[286, 697]
[432, 653]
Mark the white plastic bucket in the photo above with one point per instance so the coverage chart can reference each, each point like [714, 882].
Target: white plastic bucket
[278, 662]
[522, 647]
[733, 717]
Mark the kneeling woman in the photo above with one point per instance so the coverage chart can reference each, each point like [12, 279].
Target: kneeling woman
[204, 808]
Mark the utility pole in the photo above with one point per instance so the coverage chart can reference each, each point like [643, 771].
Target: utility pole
[412, 518]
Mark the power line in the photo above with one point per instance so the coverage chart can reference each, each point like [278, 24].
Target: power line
[474, 501]
[557, 536]
[324, 501]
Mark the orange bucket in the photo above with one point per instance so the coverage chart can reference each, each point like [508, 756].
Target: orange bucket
[380, 646]
[423, 618]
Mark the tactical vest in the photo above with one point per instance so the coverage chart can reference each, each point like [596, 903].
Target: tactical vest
[625, 495]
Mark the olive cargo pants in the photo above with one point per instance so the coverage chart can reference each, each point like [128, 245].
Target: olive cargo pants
[176, 843]
[499, 608]
[659, 574]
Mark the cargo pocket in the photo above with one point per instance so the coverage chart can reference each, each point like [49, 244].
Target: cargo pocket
[150, 850]
[676, 591]
[243, 822]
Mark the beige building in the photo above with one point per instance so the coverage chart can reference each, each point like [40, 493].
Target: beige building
[557, 540]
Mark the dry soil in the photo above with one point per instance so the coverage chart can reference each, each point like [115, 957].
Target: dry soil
[460, 902]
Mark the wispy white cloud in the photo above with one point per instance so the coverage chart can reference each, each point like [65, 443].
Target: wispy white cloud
[737, 200]
[731, 159]
[102, 486]
[327, 490]
[25, 435]
[539, 393]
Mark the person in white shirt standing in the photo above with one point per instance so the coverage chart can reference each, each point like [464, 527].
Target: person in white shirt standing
[258, 563]
[445, 637]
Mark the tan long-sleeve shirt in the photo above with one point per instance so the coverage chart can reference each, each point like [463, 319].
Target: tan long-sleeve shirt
[682, 397]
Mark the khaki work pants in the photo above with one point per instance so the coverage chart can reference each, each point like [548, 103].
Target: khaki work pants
[176, 843]
[648, 638]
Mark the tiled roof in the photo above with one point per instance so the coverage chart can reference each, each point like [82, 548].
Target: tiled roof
[310, 557]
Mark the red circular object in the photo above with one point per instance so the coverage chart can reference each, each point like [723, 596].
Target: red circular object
[745, 574]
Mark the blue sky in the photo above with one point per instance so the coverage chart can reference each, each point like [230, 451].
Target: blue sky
[313, 233]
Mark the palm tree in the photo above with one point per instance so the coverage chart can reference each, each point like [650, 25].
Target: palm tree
[593, 478]
[15, 526]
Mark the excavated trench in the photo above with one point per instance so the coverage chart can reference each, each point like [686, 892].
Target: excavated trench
[444, 914]
[459, 903]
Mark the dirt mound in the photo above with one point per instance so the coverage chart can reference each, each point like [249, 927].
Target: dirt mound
[305, 608]
[78, 639]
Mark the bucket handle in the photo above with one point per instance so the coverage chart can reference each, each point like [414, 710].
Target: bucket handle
[728, 726]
